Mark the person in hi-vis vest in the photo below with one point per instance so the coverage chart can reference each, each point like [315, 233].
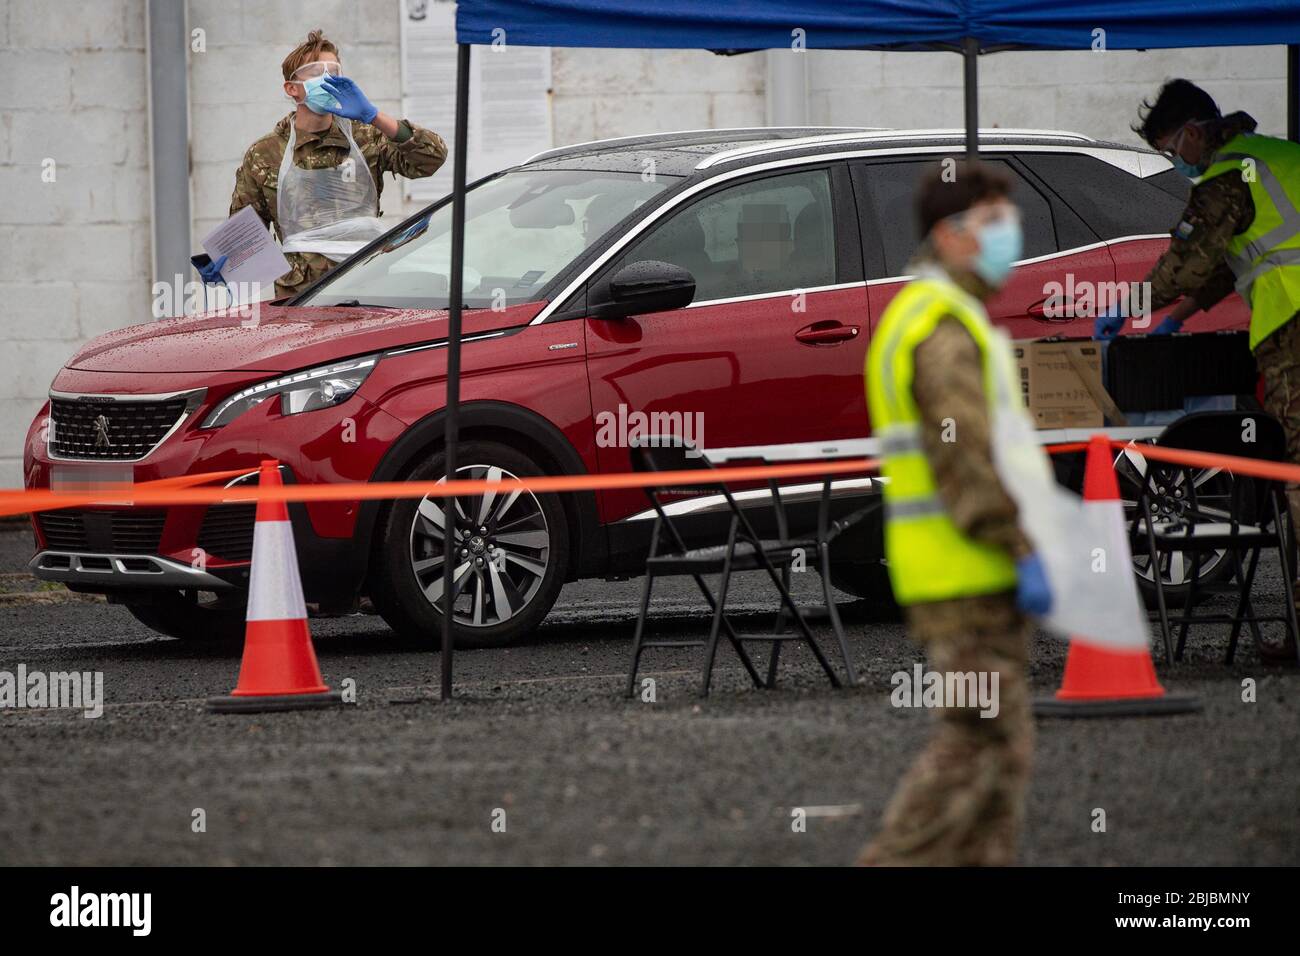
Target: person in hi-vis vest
[1240, 231]
[938, 375]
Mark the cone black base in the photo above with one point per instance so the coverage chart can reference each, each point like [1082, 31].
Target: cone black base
[1165, 705]
[260, 704]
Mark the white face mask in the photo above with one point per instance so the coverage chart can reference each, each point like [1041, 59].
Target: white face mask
[310, 76]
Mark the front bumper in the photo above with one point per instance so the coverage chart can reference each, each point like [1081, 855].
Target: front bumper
[334, 445]
[111, 572]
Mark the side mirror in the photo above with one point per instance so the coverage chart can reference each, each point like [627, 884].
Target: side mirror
[643, 287]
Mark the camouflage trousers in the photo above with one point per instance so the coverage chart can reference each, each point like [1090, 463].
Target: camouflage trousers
[962, 802]
[1278, 358]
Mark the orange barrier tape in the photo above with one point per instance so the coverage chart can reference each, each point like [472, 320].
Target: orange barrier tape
[23, 502]
[1254, 467]
[105, 492]
[181, 490]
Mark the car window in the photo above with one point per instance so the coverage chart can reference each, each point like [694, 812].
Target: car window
[521, 229]
[1113, 202]
[767, 235]
[892, 189]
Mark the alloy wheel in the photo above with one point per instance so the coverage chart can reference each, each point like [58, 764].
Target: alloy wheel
[501, 546]
[1172, 503]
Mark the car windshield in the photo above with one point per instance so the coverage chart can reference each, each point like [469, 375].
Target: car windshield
[521, 229]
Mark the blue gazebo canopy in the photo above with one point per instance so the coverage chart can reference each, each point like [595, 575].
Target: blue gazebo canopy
[881, 24]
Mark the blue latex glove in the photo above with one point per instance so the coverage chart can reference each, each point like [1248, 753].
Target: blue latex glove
[211, 273]
[1168, 327]
[353, 104]
[1108, 325]
[1033, 593]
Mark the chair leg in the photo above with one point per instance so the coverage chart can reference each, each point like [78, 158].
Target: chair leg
[1249, 604]
[788, 602]
[730, 631]
[1161, 606]
[774, 659]
[1185, 619]
[1285, 551]
[1243, 602]
[834, 613]
[711, 649]
[639, 635]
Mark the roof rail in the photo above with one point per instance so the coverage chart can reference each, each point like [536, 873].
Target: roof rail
[582, 147]
[867, 136]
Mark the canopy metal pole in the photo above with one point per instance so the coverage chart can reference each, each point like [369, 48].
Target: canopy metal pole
[1292, 95]
[970, 48]
[455, 295]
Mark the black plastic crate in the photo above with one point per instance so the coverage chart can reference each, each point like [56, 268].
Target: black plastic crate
[1155, 372]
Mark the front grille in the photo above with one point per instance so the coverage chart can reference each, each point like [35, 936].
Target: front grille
[111, 431]
[63, 530]
[227, 532]
[137, 531]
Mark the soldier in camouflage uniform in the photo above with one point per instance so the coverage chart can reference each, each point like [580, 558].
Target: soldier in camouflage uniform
[388, 145]
[962, 801]
[1185, 124]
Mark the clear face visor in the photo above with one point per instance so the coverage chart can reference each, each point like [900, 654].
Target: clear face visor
[1174, 145]
[317, 68]
[977, 217]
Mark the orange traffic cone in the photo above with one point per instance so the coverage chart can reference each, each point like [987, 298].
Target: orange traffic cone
[1104, 681]
[279, 670]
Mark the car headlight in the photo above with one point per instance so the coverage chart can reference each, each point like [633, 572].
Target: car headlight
[299, 392]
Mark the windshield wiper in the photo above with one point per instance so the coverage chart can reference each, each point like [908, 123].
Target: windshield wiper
[358, 304]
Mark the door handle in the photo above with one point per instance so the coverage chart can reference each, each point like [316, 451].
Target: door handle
[826, 333]
[1039, 311]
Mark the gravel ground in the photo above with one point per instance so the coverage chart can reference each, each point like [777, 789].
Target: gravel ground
[541, 732]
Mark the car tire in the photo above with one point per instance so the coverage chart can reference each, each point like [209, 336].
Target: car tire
[530, 529]
[187, 616]
[1215, 488]
[868, 581]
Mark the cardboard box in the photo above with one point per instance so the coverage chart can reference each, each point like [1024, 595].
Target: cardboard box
[1060, 382]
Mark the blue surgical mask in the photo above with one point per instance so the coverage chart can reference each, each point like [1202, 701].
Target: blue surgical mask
[1186, 168]
[1001, 244]
[318, 98]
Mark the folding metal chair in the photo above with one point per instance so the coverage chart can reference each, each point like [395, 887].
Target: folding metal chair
[743, 551]
[1176, 516]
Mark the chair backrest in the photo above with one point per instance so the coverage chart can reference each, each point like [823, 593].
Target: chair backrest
[1245, 434]
[664, 453]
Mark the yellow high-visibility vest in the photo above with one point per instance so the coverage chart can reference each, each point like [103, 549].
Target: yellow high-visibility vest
[930, 558]
[1266, 257]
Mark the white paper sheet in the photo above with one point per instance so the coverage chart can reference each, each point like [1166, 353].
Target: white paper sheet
[253, 256]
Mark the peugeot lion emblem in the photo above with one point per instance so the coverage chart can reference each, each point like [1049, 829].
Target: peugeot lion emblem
[101, 433]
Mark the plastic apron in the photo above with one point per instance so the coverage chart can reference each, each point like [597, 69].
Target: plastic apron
[320, 210]
[1084, 545]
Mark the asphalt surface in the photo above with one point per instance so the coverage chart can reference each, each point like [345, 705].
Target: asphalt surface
[584, 776]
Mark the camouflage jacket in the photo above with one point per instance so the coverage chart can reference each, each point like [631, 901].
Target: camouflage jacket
[948, 386]
[1218, 209]
[419, 153]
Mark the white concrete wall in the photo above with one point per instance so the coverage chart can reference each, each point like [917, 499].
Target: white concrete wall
[75, 253]
[1093, 93]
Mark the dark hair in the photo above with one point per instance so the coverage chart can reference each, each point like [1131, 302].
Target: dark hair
[1178, 102]
[953, 186]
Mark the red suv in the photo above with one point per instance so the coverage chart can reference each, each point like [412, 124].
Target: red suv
[582, 326]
